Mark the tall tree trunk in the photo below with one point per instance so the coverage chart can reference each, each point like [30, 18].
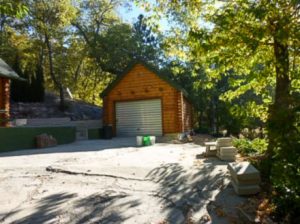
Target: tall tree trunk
[62, 104]
[280, 121]
[57, 84]
[39, 92]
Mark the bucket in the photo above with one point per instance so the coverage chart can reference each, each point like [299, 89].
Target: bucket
[152, 140]
[146, 140]
[139, 140]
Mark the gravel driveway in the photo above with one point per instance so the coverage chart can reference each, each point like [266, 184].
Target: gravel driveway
[112, 181]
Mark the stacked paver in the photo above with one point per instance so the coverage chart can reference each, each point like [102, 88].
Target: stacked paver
[245, 178]
[210, 148]
[225, 150]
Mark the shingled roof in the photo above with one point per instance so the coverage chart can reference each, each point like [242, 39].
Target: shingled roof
[7, 72]
[150, 68]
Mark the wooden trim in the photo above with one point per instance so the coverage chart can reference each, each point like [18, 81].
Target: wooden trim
[179, 112]
[4, 101]
[162, 115]
[182, 112]
[139, 99]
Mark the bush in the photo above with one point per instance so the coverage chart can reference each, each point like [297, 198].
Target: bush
[246, 146]
[202, 130]
[285, 180]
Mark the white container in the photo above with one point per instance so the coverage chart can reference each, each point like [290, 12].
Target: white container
[20, 122]
[139, 140]
[152, 140]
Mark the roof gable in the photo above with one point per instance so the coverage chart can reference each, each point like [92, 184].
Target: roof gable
[151, 68]
[7, 72]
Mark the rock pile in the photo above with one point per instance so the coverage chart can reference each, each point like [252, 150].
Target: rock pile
[45, 140]
[75, 110]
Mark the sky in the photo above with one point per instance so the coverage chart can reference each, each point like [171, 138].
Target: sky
[131, 13]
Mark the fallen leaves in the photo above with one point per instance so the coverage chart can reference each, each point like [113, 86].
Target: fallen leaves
[258, 209]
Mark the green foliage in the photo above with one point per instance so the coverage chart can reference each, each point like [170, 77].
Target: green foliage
[13, 8]
[259, 42]
[96, 133]
[285, 179]
[250, 147]
[202, 130]
[31, 90]
[285, 171]
[147, 45]
[80, 45]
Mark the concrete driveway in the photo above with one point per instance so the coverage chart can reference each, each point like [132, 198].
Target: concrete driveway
[112, 181]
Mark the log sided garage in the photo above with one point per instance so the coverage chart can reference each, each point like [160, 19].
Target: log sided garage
[141, 101]
[6, 74]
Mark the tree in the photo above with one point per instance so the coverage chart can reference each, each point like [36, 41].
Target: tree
[9, 10]
[147, 45]
[112, 43]
[97, 23]
[50, 19]
[259, 41]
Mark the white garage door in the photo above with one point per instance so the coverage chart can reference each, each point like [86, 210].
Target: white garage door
[142, 117]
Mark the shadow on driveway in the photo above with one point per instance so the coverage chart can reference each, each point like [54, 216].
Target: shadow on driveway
[194, 196]
[91, 209]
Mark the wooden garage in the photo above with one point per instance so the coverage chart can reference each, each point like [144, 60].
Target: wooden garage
[142, 101]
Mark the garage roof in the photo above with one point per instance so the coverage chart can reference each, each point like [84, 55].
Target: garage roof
[150, 68]
[7, 72]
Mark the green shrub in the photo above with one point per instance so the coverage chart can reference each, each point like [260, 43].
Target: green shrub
[285, 181]
[246, 146]
[285, 178]
[203, 130]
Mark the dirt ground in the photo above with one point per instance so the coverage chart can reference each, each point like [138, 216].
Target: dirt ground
[112, 181]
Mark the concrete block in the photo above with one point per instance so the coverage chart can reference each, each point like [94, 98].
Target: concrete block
[210, 143]
[211, 149]
[228, 149]
[244, 182]
[246, 189]
[211, 152]
[226, 158]
[229, 159]
[227, 153]
[244, 171]
[223, 142]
